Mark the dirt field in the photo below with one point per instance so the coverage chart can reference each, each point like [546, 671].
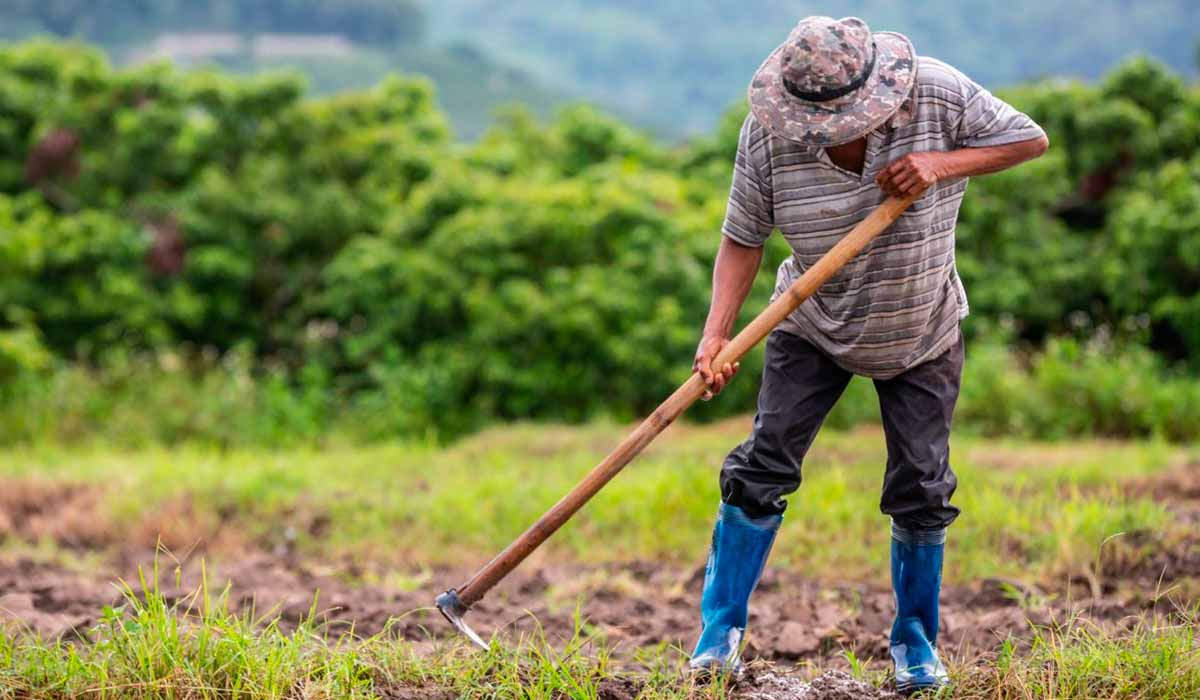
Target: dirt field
[793, 620]
[796, 622]
[638, 605]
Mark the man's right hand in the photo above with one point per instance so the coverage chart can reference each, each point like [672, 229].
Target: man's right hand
[715, 378]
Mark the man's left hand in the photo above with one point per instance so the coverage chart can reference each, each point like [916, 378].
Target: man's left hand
[910, 174]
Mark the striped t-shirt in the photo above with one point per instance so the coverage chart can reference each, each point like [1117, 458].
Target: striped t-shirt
[899, 302]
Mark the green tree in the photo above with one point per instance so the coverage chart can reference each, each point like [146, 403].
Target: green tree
[1152, 264]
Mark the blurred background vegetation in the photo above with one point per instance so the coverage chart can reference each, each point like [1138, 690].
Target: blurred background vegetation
[210, 254]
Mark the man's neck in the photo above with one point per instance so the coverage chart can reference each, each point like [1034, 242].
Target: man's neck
[849, 156]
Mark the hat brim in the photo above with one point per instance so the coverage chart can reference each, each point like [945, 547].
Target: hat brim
[846, 118]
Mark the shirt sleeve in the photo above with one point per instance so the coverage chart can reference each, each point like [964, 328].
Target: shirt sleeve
[987, 120]
[750, 214]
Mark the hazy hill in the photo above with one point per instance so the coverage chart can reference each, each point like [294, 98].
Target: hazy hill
[117, 22]
[337, 44]
[669, 65]
[675, 64]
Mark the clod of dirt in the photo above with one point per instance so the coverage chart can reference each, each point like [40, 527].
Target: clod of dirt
[838, 685]
[45, 600]
[618, 688]
[414, 692]
[833, 685]
[796, 640]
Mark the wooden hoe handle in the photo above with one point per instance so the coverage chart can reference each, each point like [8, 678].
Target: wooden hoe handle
[678, 402]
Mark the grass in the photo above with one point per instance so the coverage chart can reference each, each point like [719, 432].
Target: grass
[1160, 660]
[1030, 510]
[195, 648]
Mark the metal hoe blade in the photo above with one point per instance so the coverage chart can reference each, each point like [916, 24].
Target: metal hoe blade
[452, 609]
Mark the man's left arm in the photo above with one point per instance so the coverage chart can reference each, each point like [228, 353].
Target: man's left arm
[916, 171]
[989, 135]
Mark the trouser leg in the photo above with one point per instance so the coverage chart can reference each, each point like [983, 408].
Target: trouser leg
[917, 407]
[799, 387]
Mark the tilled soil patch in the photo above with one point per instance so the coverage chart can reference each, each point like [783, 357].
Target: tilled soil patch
[794, 619]
[832, 685]
[762, 682]
[639, 605]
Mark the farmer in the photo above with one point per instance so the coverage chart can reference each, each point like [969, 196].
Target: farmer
[840, 119]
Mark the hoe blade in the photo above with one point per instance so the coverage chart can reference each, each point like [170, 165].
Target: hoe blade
[453, 610]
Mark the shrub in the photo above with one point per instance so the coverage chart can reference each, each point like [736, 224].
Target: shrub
[1072, 388]
[352, 260]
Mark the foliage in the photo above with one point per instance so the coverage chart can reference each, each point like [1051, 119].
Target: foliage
[1154, 260]
[205, 206]
[346, 247]
[578, 267]
[1075, 388]
[134, 400]
[1067, 244]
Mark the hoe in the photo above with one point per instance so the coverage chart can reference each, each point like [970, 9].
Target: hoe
[455, 602]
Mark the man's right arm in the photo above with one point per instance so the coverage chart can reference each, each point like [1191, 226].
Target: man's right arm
[733, 275]
[749, 221]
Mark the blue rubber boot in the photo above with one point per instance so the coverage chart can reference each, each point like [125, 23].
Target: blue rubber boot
[917, 581]
[740, 545]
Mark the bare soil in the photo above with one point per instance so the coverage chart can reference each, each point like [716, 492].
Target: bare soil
[641, 604]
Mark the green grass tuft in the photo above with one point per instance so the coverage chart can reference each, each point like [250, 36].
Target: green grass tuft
[1155, 659]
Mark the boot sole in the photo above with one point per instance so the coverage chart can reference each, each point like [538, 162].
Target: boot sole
[914, 688]
[704, 675]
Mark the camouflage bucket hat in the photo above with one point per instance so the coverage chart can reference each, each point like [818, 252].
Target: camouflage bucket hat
[832, 81]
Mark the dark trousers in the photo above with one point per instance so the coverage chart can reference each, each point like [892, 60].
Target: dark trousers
[800, 386]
